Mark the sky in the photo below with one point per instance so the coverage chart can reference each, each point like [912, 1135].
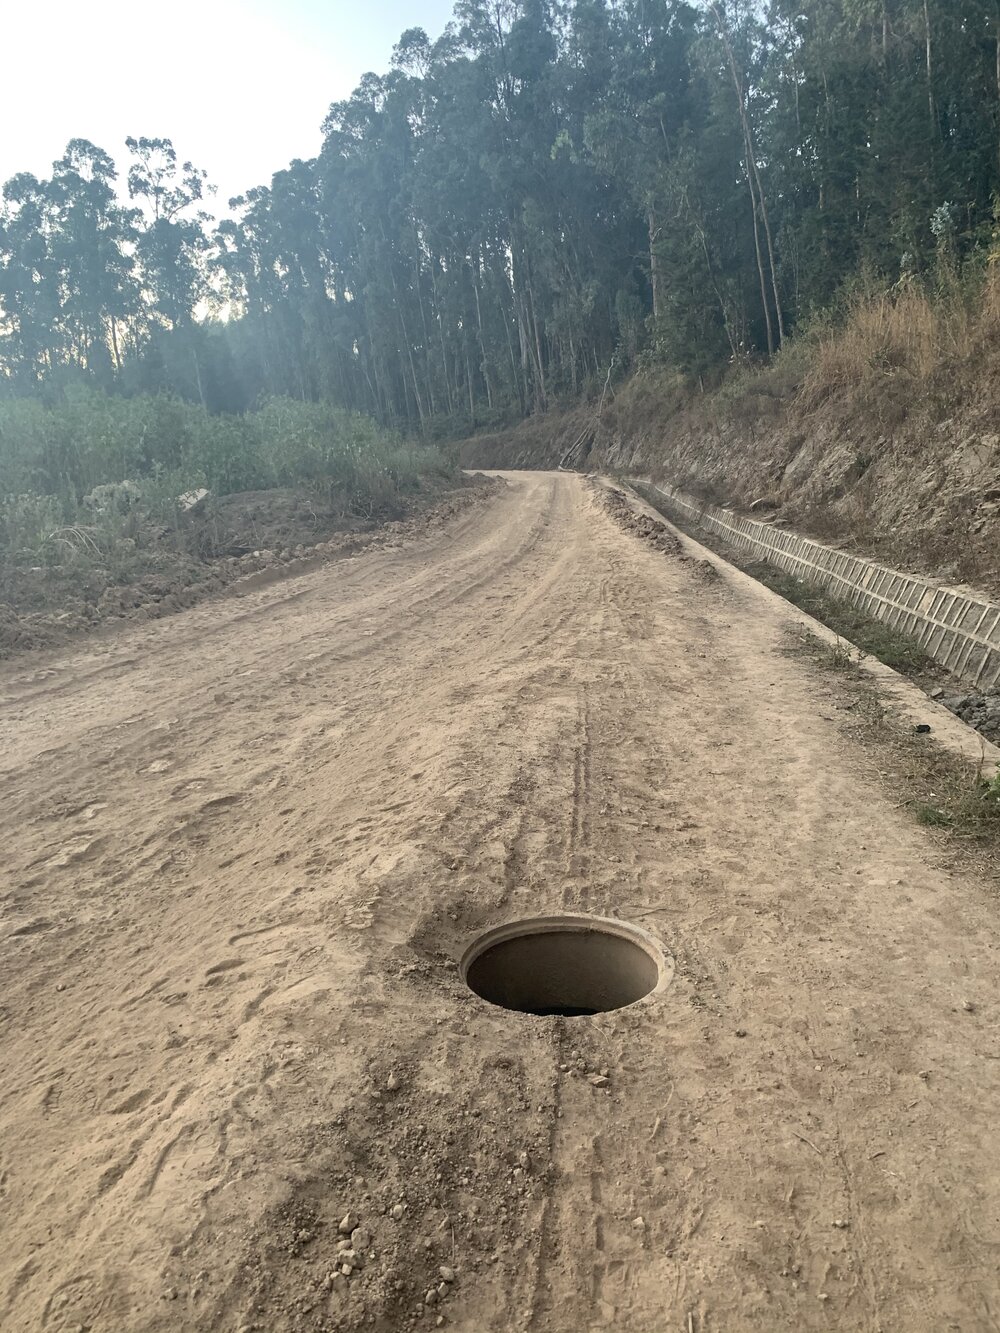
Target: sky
[240, 86]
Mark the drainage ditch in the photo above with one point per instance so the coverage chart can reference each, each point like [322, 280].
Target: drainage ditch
[569, 966]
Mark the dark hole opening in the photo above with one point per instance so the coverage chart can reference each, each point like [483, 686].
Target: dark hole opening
[571, 971]
[563, 1011]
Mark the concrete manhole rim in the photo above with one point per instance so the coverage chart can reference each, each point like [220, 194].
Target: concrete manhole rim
[584, 923]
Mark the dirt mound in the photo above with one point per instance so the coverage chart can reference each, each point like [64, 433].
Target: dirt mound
[981, 711]
[649, 529]
[643, 526]
[279, 520]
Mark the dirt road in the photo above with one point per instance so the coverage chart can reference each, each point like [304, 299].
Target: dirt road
[243, 849]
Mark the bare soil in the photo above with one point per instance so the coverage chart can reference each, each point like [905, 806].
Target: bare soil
[244, 848]
[156, 569]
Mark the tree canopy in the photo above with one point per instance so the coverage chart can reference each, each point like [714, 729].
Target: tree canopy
[552, 189]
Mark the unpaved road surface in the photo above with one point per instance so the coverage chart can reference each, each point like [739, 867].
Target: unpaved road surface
[243, 849]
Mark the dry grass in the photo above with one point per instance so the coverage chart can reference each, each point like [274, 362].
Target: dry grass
[909, 335]
[938, 789]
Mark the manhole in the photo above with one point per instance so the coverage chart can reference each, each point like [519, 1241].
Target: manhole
[569, 965]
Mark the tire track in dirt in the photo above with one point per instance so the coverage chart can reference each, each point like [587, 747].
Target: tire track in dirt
[241, 862]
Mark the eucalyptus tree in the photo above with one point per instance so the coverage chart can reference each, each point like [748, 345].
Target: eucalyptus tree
[31, 330]
[171, 250]
[547, 192]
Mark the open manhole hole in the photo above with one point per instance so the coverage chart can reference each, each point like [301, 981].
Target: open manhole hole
[573, 966]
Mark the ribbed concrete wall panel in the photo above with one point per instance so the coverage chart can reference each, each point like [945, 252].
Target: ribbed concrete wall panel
[957, 629]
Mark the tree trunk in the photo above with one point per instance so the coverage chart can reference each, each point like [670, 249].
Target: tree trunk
[770, 250]
[654, 265]
[114, 344]
[931, 109]
[479, 326]
[197, 375]
[413, 372]
[428, 376]
[754, 176]
[760, 265]
[506, 273]
[409, 348]
[440, 324]
[715, 287]
[538, 347]
[468, 376]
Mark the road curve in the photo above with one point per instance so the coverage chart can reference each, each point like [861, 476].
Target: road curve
[243, 848]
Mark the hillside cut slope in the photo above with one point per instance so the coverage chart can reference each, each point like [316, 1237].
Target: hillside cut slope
[884, 437]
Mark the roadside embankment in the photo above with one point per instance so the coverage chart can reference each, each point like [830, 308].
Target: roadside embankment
[879, 434]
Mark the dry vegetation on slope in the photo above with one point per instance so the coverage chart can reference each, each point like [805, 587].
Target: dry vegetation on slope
[882, 432]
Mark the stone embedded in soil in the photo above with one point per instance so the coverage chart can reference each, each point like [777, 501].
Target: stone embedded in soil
[447, 1273]
[599, 1080]
[347, 1224]
[397, 1211]
[361, 1239]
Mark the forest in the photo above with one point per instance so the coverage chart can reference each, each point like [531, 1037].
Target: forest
[524, 210]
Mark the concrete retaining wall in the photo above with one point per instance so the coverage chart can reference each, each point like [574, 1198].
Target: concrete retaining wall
[960, 631]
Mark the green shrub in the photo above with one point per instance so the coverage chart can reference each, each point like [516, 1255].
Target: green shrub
[52, 456]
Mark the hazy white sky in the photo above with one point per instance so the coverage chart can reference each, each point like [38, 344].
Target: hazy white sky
[241, 86]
